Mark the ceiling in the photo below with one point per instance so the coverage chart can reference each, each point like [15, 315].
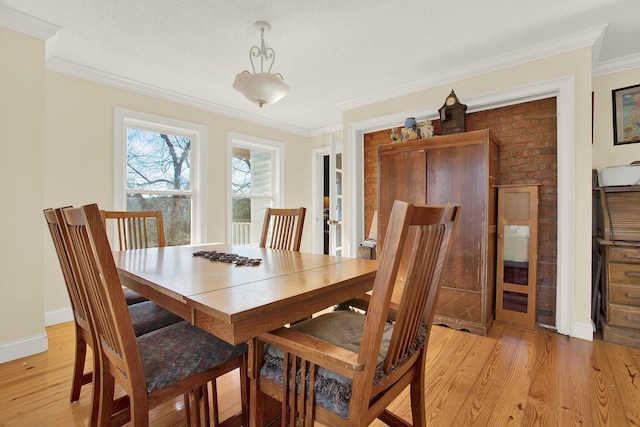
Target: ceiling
[335, 54]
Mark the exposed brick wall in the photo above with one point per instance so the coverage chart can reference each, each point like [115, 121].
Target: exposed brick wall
[528, 154]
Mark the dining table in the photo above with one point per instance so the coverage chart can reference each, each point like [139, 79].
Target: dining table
[238, 292]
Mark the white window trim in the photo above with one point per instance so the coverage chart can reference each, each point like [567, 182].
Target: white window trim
[252, 142]
[124, 118]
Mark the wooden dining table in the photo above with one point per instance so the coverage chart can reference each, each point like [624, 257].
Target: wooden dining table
[238, 303]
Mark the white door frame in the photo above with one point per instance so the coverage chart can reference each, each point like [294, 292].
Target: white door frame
[317, 202]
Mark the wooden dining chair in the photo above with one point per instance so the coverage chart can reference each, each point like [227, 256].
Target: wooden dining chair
[343, 367]
[152, 368]
[146, 316]
[136, 230]
[282, 229]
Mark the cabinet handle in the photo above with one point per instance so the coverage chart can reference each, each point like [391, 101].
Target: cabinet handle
[632, 318]
[632, 274]
[630, 295]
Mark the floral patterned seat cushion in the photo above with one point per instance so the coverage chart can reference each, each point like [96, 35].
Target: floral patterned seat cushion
[148, 316]
[132, 297]
[180, 350]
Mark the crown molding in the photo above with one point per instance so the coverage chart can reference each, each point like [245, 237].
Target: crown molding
[91, 74]
[617, 65]
[23, 23]
[325, 130]
[586, 38]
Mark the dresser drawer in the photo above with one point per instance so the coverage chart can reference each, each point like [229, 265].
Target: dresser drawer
[625, 294]
[623, 315]
[623, 254]
[624, 274]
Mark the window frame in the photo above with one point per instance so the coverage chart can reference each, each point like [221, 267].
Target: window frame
[124, 119]
[253, 143]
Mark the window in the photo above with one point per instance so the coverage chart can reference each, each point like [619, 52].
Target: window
[157, 167]
[255, 176]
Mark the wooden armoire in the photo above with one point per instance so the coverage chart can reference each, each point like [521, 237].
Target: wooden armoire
[462, 169]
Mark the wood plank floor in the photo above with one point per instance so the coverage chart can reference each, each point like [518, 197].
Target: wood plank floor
[510, 378]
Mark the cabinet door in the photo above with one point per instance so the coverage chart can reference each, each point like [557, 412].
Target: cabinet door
[401, 176]
[457, 175]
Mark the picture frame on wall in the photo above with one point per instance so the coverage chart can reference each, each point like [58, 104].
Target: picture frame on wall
[626, 115]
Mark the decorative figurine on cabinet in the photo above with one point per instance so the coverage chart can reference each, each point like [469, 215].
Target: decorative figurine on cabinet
[410, 131]
[426, 129]
[452, 115]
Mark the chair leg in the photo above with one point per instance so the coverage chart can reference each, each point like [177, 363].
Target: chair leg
[96, 384]
[78, 367]
[205, 403]
[139, 412]
[197, 397]
[418, 395]
[187, 409]
[106, 389]
[214, 401]
[245, 386]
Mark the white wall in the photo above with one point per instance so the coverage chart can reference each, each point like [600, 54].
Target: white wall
[604, 152]
[21, 173]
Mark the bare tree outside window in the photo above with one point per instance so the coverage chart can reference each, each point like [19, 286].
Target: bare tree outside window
[159, 178]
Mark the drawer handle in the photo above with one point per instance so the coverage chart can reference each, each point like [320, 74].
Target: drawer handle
[632, 274]
[633, 318]
[630, 295]
[632, 256]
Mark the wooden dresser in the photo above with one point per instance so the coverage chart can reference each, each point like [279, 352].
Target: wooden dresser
[462, 169]
[618, 243]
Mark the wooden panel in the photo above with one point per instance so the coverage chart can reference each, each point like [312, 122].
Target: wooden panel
[624, 315]
[620, 218]
[626, 255]
[456, 176]
[401, 176]
[460, 304]
[624, 273]
[624, 336]
[625, 294]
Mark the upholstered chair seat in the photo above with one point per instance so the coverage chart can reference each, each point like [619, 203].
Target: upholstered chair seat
[133, 297]
[179, 351]
[148, 316]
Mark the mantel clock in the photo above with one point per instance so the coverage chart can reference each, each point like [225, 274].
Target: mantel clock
[452, 115]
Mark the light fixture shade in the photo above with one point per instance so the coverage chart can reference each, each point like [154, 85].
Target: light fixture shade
[261, 88]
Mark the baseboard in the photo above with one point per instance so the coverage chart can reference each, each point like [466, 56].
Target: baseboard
[54, 317]
[23, 347]
[582, 330]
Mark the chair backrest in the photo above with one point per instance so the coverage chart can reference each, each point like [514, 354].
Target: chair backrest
[282, 229]
[137, 230]
[66, 257]
[431, 228]
[114, 329]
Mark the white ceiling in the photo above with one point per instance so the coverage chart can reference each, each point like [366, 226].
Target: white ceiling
[335, 54]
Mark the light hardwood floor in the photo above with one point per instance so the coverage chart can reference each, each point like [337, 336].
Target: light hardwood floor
[510, 378]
